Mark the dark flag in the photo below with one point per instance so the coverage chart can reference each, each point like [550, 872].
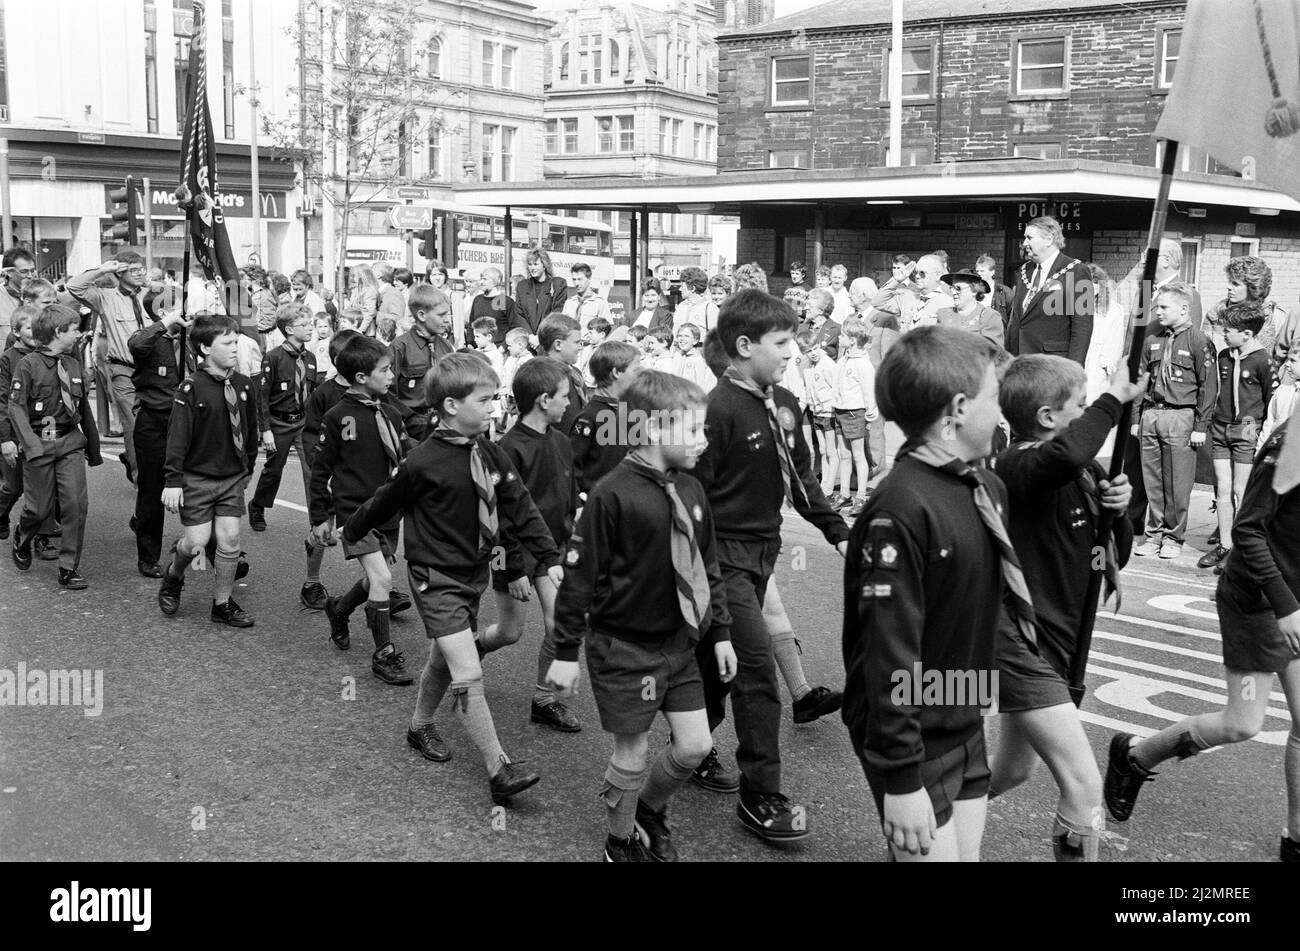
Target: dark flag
[206, 220]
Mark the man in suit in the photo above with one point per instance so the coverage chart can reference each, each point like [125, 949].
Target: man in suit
[1051, 309]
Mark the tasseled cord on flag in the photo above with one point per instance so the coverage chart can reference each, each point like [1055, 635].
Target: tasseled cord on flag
[1282, 119]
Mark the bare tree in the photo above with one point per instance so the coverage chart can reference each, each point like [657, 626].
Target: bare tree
[364, 100]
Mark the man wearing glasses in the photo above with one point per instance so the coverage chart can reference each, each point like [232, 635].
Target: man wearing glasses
[119, 313]
[19, 268]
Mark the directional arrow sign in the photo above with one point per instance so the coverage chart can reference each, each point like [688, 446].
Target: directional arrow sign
[411, 192]
[411, 217]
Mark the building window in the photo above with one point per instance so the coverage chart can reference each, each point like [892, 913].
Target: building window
[507, 154]
[697, 141]
[789, 158]
[790, 248]
[435, 58]
[182, 29]
[552, 141]
[605, 134]
[1190, 272]
[1041, 66]
[491, 139]
[627, 133]
[791, 81]
[561, 136]
[489, 63]
[613, 59]
[1190, 159]
[1039, 150]
[570, 136]
[1168, 42]
[150, 64]
[508, 68]
[670, 136]
[917, 155]
[918, 72]
[498, 66]
[1243, 247]
[228, 68]
[564, 61]
[435, 152]
[498, 154]
[589, 60]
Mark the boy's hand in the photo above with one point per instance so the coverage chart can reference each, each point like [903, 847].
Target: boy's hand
[9, 450]
[726, 655]
[268, 442]
[324, 531]
[1133, 430]
[173, 499]
[1198, 440]
[1290, 628]
[556, 574]
[1122, 389]
[1116, 494]
[563, 676]
[909, 822]
[521, 589]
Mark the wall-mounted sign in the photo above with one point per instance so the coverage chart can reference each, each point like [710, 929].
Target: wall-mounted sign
[1068, 213]
[236, 203]
[979, 222]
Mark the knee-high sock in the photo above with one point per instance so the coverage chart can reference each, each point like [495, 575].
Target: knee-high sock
[1076, 841]
[181, 560]
[315, 555]
[377, 618]
[225, 566]
[1183, 739]
[621, 794]
[667, 775]
[353, 598]
[434, 681]
[543, 694]
[471, 707]
[790, 659]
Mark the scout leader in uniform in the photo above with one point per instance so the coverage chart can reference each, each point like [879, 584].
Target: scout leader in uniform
[1051, 310]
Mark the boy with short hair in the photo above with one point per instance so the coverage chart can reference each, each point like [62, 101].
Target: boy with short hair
[931, 528]
[49, 391]
[483, 330]
[643, 577]
[461, 500]
[494, 304]
[211, 452]
[1245, 385]
[11, 459]
[559, 337]
[597, 436]
[756, 459]
[287, 381]
[361, 443]
[598, 331]
[419, 349]
[821, 381]
[516, 356]
[1057, 492]
[855, 407]
[656, 345]
[544, 460]
[688, 362]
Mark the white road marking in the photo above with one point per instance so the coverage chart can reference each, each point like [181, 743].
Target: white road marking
[1277, 696]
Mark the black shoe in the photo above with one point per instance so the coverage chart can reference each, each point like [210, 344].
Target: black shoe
[429, 743]
[339, 632]
[817, 703]
[148, 570]
[715, 777]
[230, 613]
[313, 595]
[241, 569]
[631, 849]
[391, 668]
[256, 519]
[1289, 850]
[555, 715]
[769, 816]
[1124, 778]
[1214, 557]
[72, 579]
[169, 593]
[22, 553]
[510, 780]
[130, 472]
[399, 601]
[653, 829]
[43, 550]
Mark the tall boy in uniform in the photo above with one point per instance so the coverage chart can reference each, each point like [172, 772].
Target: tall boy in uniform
[416, 351]
[559, 337]
[599, 444]
[461, 500]
[11, 458]
[643, 576]
[53, 421]
[287, 381]
[932, 528]
[361, 443]
[756, 459]
[1057, 492]
[211, 451]
[1258, 599]
[542, 457]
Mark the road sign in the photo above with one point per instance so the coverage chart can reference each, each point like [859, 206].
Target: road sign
[411, 217]
[410, 192]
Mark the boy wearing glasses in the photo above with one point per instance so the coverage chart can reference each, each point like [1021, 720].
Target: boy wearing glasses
[19, 268]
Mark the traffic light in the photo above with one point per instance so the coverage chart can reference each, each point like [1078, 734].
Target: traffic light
[427, 249]
[126, 212]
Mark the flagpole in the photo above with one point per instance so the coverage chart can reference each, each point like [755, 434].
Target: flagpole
[185, 283]
[252, 111]
[1106, 520]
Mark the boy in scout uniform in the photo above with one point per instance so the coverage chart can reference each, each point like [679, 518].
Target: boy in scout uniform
[54, 423]
[1174, 418]
[416, 351]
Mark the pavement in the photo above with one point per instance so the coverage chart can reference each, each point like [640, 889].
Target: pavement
[217, 744]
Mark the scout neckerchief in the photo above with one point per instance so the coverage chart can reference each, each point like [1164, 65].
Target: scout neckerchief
[1167, 356]
[299, 355]
[136, 306]
[1250, 347]
[794, 490]
[387, 433]
[65, 388]
[1022, 605]
[232, 407]
[688, 564]
[478, 472]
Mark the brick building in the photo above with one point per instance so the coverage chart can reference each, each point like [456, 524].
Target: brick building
[983, 81]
